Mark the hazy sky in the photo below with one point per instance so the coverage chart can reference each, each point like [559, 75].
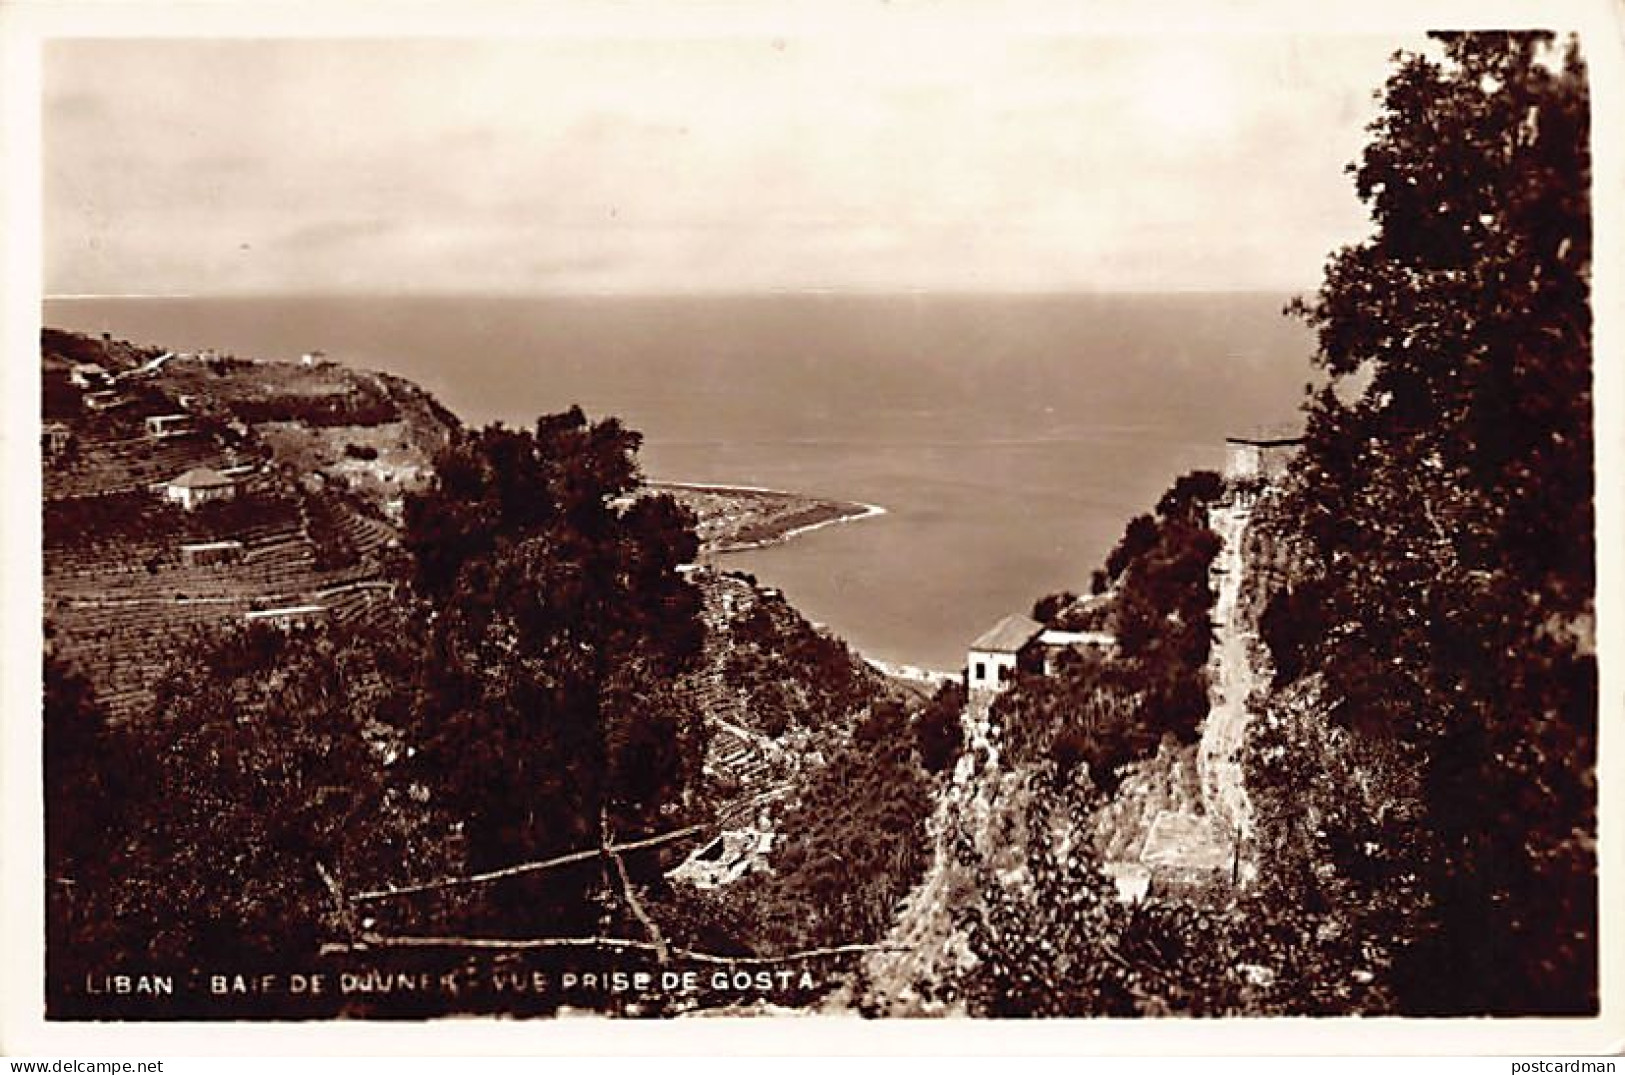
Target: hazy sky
[876, 161]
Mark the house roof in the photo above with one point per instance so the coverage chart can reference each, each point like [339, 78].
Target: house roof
[1009, 634]
[200, 478]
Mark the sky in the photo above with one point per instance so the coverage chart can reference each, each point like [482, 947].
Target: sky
[897, 157]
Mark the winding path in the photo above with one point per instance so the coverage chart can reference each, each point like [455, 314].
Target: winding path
[1224, 790]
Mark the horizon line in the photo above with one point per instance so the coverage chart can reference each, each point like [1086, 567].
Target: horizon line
[693, 293]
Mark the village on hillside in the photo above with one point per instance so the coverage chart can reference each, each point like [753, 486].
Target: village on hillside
[188, 490]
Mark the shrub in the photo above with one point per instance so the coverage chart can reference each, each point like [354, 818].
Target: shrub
[938, 734]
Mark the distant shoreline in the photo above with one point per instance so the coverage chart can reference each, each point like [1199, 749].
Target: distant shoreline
[913, 673]
[742, 518]
[868, 511]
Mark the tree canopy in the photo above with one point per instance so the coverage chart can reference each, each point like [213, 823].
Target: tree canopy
[1444, 499]
[560, 622]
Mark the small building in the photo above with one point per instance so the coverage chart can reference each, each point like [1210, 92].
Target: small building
[54, 438]
[199, 486]
[1053, 643]
[168, 425]
[1009, 646]
[211, 553]
[89, 375]
[1133, 880]
[288, 617]
[313, 358]
[1248, 459]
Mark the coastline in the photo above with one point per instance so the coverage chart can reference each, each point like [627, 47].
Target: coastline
[866, 511]
[792, 506]
[743, 518]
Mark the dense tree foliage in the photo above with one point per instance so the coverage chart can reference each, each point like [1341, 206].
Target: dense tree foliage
[224, 836]
[78, 754]
[1092, 713]
[1160, 569]
[1047, 609]
[796, 676]
[270, 771]
[939, 734]
[1104, 713]
[560, 623]
[83, 776]
[1445, 498]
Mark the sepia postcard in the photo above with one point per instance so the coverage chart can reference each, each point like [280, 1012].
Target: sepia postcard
[764, 527]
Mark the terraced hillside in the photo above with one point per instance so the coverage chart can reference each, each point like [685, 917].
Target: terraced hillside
[775, 691]
[294, 530]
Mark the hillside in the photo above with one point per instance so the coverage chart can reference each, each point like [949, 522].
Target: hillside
[1087, 774]
[298, 522]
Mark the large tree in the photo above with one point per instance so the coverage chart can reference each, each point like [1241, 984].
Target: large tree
[1446, 501]
[561, 621]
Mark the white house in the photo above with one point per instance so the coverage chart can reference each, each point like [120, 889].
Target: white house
[199, 486]
[1006, 647]
[1258, 459]
[89, 375]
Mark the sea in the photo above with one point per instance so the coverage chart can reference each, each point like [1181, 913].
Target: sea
[1009, 438]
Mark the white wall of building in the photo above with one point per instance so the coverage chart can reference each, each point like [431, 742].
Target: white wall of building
[988, 670]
